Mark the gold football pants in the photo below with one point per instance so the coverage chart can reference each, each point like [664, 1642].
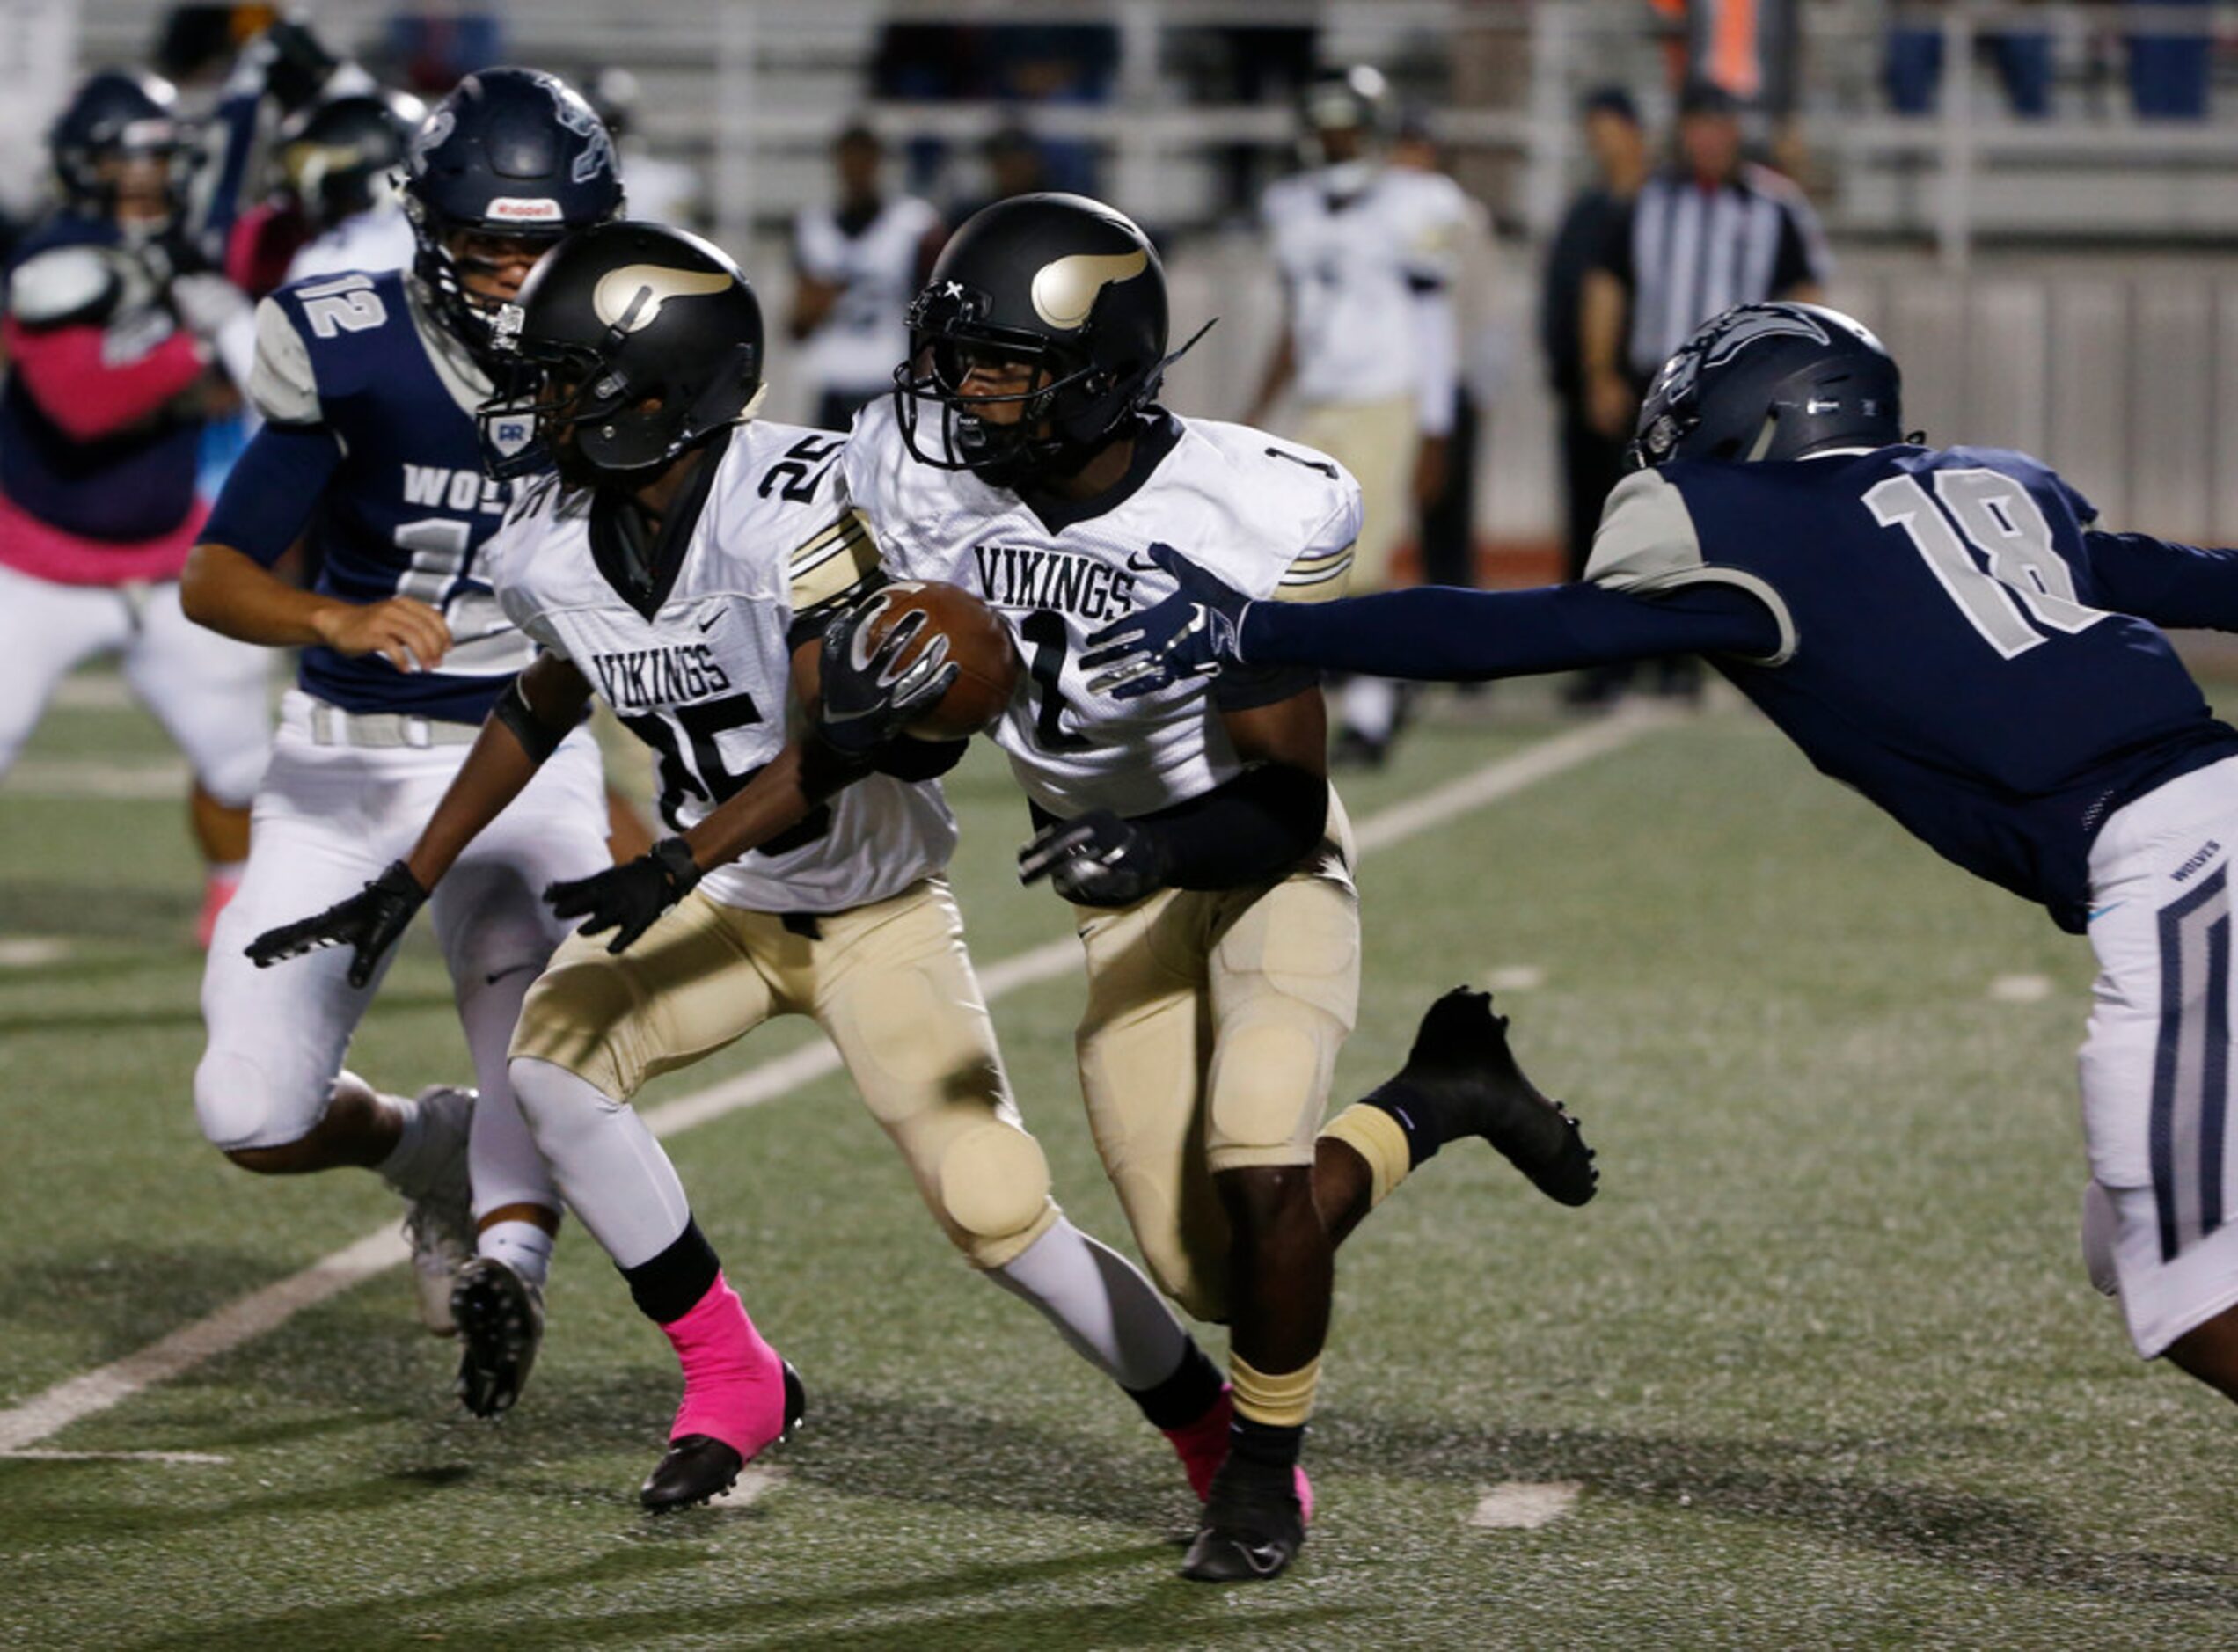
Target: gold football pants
[1210, 1040]
[892, 986]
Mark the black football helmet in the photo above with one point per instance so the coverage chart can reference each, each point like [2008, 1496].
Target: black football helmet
[337, 158]
[609, 319]
[116, 114]
[1771, 381]
[1064, 283]
[1356, 99]
[514, 152]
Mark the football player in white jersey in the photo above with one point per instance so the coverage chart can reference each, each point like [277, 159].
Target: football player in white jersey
[1371, 349]
[855, 265]
[368, 385]
[1209, 863]
[677, 566]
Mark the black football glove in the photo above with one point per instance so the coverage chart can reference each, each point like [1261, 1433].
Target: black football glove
[870, 695]
[370, 921]
[630, 898]
[1096, 861]
[1194, 633]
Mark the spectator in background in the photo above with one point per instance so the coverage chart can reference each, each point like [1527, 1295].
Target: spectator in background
[2169, 64]
[2023, 60]
[658, 188]
[1367, 254]
[855, 266]
[1593, 460]
[1015, 166]
[1707, 232]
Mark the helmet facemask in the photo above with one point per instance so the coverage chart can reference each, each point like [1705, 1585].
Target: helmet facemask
[1072, 408]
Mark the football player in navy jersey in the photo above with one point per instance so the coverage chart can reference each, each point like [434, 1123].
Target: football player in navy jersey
[1947, 631]
[368, 384]
[115, 348]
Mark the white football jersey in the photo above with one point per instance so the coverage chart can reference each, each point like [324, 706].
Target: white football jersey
[704, 677]
[1353, 246]
[379, 238]
[1273, 519]
[863, 338]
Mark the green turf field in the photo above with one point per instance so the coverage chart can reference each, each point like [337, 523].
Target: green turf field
[1820, 1363]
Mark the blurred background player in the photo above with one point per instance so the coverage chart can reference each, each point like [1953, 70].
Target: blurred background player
[1369, 348]
[115, 355]
[340, 160]
[856, 262]
[661, 188]
[368, 385]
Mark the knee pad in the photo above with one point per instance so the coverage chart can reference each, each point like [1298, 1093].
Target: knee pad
[233, 775]
[994, 1190]
[1268, 1091]
[238, 1105]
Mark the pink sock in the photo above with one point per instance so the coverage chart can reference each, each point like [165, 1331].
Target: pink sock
[734, 1384]
[1203, 1446]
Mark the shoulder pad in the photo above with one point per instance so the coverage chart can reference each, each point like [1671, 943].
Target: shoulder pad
[82, 284]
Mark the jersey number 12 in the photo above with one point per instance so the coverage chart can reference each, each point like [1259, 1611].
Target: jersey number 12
[2029, 589]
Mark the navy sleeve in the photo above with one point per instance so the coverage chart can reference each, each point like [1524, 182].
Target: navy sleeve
[1437, 635]
[2177, 585]
[272, 490]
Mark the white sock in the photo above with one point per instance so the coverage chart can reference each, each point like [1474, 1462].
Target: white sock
[522, 1246]
[1370, 706]
[612, 1174]
[1099, 1303]
[406, 1168]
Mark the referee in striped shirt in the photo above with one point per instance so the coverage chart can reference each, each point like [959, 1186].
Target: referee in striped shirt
[1704, 235]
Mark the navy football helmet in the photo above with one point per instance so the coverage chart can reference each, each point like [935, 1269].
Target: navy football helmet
[1064, 283]
[617, 316]
[116, 114]
[338, 156]
[511, 152]
[1771, 381]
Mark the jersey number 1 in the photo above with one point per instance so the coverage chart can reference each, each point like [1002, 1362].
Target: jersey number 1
[2029, 590]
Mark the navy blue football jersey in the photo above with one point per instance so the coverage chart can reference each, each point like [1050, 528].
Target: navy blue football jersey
[135, 483]
[1950, 642]
[403, 510]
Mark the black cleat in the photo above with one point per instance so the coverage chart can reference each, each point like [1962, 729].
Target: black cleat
[1464, 1077]
[500, 1325]
[699, 1467]
[1250, 1533]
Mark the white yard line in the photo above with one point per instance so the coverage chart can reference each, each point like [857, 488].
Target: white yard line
[46, 1415]
[36, 1456]
[101, 777]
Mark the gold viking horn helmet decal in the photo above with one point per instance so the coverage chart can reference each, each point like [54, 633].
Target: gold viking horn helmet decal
[1065, 289]
[631, 296]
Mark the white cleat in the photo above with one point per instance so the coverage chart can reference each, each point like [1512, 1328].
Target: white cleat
[439, 1212]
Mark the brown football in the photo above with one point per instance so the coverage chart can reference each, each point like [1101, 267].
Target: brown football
[978, 641]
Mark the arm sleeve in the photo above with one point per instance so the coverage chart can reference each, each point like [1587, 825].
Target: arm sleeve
[1319, 573]
[1432, 633]
[2175, 585]
[273, 487]
[67, 372]
[1253, 827]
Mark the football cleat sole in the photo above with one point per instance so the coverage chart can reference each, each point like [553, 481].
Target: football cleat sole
[699, 1468]
[499, 1317]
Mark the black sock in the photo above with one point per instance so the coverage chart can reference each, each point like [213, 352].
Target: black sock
[671, 1285]
[1181, 1399]
[1415, 1115]
[1264, 1451]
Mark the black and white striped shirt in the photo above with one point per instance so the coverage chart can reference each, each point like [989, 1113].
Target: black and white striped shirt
[1687, 250]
